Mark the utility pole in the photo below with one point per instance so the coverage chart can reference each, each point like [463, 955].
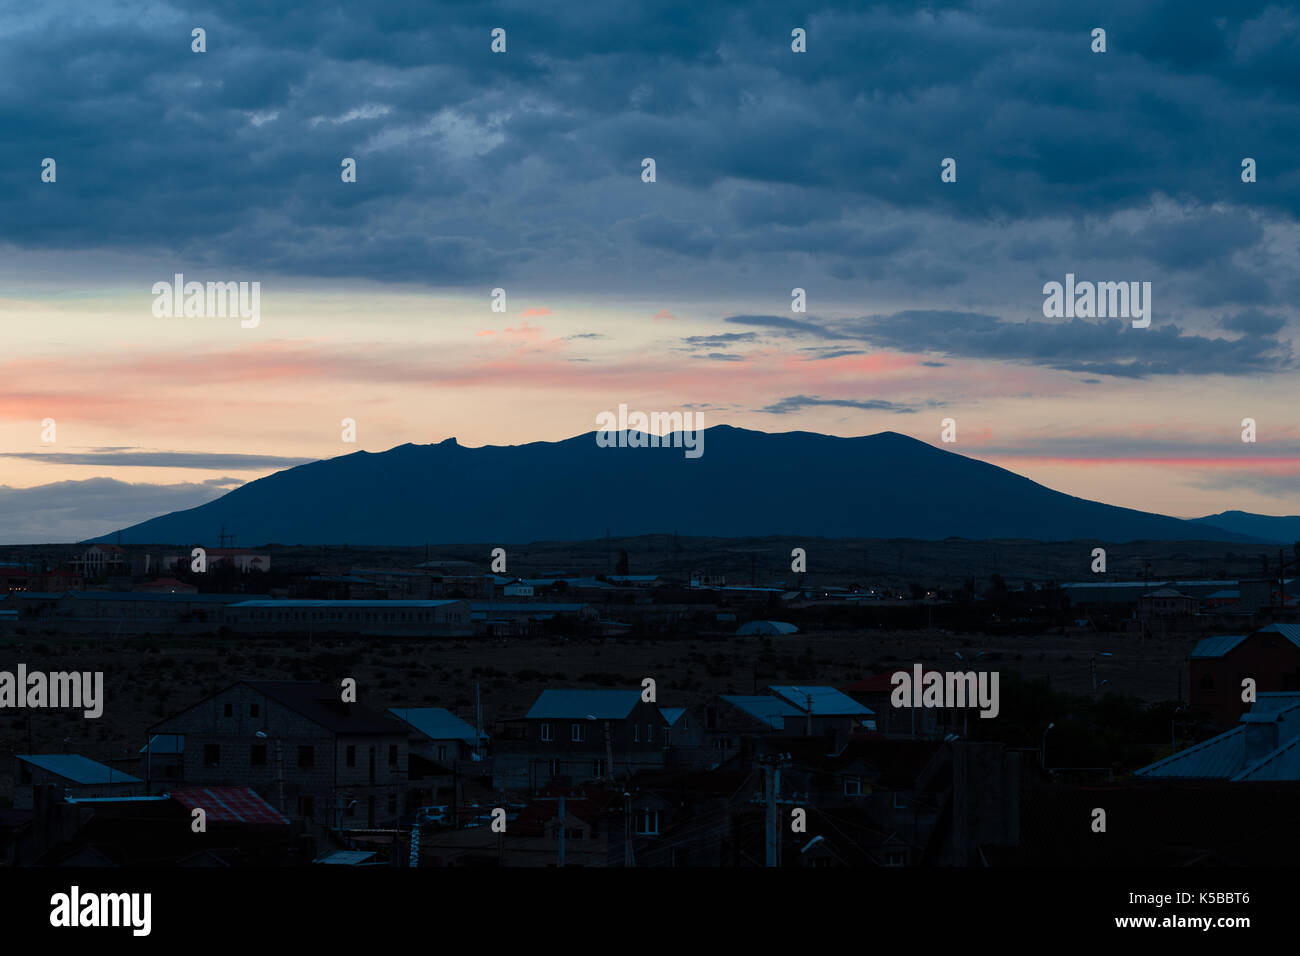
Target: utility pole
[627, 830]
[772, 823]
[561, 833]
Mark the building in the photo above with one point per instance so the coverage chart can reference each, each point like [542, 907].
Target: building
[450, 618]
[73, 775]
[1166, 604]
[1219, 665]
[332, 764]
[102, 559]
[1261, 748]
[143, 610]
[241, 561]
[572, 736]
[439, 742]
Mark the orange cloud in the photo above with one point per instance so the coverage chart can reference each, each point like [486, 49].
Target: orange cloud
[528, 312]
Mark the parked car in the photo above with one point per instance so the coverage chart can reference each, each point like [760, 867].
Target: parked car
[438, 816]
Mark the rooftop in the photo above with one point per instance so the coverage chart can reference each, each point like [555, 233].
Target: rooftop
[77, 768]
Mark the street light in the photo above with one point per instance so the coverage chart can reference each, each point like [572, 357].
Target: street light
[1044, 752]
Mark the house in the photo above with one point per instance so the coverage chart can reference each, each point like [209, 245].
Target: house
[73, 775]
[1219, 665]
[1263, 747]
[439, 741]
[332, 764]
[1166, 603]
[571, 736]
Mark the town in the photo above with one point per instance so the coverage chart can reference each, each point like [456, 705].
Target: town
[364, 707]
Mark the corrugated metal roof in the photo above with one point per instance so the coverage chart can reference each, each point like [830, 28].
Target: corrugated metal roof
[826, 701]
[1217, 758]
[767, 627]
[1290, 631]
[165, 744]
[437, 723]
[770, 710]
[1208, 647]
[78, 769]
[347, 857]
[229, 805]
[341, 605]
[578, 704]
[160, 597]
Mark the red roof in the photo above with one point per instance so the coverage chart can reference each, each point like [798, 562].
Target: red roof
[229, 805]
[876, 684]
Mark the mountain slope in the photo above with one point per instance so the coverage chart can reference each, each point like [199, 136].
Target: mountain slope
[1278, 529]
[746, 483]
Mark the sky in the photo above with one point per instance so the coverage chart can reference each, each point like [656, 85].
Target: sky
[523, 171]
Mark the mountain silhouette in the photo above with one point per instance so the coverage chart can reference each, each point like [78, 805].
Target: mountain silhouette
[1277, 529]
[746, 483]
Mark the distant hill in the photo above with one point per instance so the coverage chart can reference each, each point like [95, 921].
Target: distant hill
[746, 483]
[1280, 530]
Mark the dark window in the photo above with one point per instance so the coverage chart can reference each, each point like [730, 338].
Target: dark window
[211, 755]
[352, 755]
[392, 755]
[258, 756]
[230, 710]
[26, 775]
[254, 710]
[392, 803]
[306, 806]
[372, 770]
[307, 756]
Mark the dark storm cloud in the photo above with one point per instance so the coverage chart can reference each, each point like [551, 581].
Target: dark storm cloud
[474, 166]
[1098, 347]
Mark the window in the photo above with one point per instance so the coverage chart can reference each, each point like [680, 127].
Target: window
[555, 767]
[392, 803]
[306, 807]
[26, 774]
[230, 710]
[254, 710]
[647, 822]
[649, 732]
[307, 756]
[392, 755]
[852, 786]
[636, 733]
[573, 833]
[211, 755]
[546, 732]
[352, 755]
[598, 768]
[896, 858]
[442, 751]
[578, 733]
[258, 755]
